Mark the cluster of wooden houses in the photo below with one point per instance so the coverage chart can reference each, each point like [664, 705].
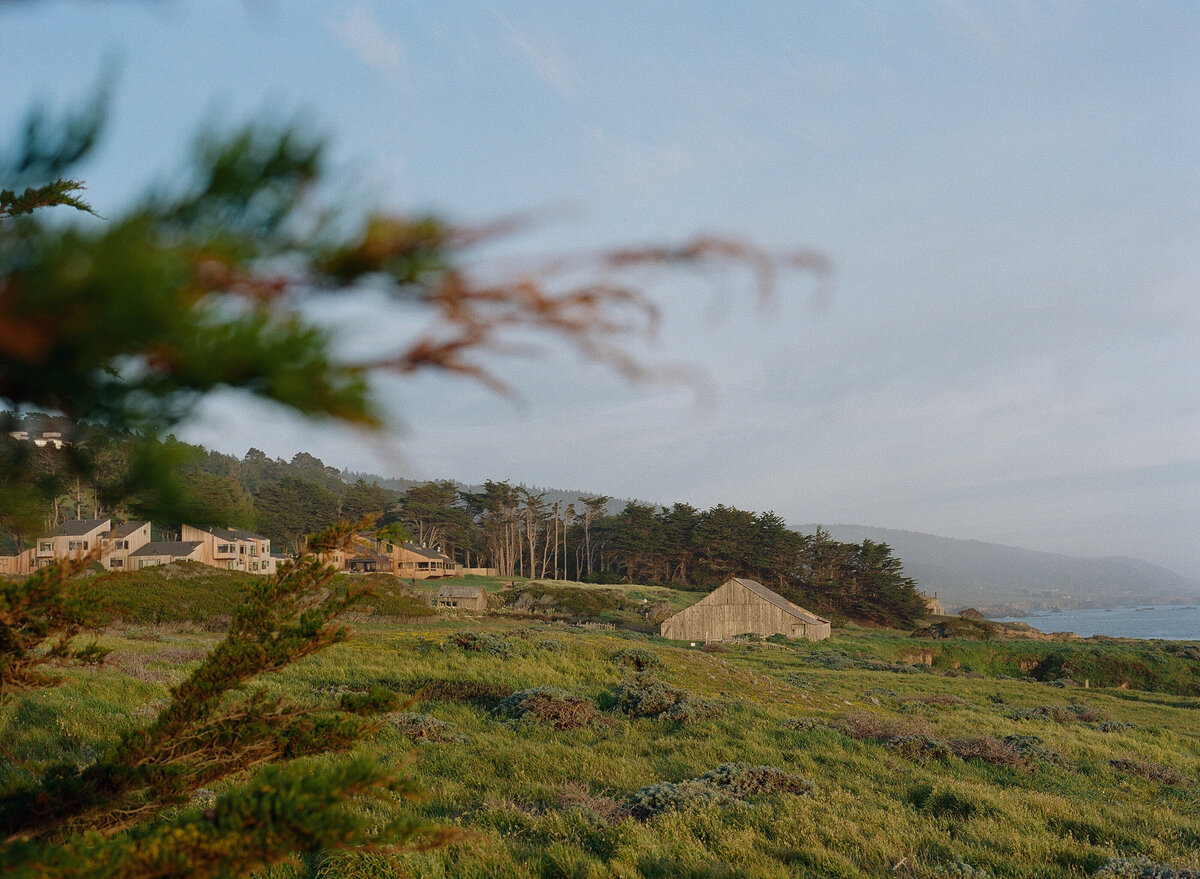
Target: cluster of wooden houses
[740, 606]
[129, 547]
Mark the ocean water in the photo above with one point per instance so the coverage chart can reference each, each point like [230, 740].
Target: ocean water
[1172, 622]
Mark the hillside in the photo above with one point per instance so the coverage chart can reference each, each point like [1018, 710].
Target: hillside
[1000, 579]
[557, 751]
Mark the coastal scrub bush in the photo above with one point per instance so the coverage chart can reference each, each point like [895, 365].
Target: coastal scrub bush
[802, 724]
[1148, 769]
[638, 658]
[423, 727]
[654, 799]
[864, 725]
[729, 783]
[457, 690]
[479, 642]
[551, 706]
[920, 747]
[1058, 713]
[574, 795]
[960, 870]
[1031, 748]
[1141, 867]
[990, 750]
[742, 780]
[644, 696]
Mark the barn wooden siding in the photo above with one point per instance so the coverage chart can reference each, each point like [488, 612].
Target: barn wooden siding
[739, 607]
[469, 597]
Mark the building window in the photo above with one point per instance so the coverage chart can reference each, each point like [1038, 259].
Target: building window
[224, 547]
[229, 566]
[118, 563]
[254, 566]
[77, 544]
[46, 547]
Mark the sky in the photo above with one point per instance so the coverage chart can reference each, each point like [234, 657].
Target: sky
[1009, 194]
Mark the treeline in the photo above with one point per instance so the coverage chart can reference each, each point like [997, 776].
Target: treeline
[513, 529]
[520, 533]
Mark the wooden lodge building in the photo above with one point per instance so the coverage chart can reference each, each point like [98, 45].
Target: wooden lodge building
[741, 607]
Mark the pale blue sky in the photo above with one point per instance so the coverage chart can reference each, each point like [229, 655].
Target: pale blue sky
[1010, 193]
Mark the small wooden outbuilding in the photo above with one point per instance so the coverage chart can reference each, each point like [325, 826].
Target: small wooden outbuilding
[469, 597]
[740, 607]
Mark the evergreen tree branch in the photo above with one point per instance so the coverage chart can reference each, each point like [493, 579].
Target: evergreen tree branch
[202, 735]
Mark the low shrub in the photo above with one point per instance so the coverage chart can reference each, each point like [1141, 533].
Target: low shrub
[1148, 769]
[487, 693]
[742, 780]
[863, 725]
[638, 658]
[729, 783]
[1031, 748]
[960, 870]
[1058, 713]
[644, 696]
[550, 706]
[479, 642]
[802, 724]
[574, 795]
[424, 727]
[882, 692]
[990, 750]
[920, 747]
[654, 799]
[1141, 867]
[1115, 726]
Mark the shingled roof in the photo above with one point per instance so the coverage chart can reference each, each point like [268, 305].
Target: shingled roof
[173, 548]
[229, 533]
[126, 529]
[423, 551]
[79, 527]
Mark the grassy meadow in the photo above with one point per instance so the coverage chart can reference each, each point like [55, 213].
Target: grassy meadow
[562, 751]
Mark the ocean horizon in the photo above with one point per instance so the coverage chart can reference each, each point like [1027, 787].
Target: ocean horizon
[1171, 622]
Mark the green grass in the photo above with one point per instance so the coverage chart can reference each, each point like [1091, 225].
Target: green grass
[535, 800]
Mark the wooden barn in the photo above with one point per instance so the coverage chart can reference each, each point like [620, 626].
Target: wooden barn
[469, 597]
[740, 607]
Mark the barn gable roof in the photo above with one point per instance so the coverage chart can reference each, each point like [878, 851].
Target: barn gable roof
[778, 600]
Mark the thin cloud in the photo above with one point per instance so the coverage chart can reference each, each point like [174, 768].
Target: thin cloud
[366, 38]
[545, 58]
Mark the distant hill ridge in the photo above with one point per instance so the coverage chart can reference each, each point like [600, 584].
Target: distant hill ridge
[998, 578]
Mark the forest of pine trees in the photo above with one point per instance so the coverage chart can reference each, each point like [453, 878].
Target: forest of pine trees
[519, 531]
